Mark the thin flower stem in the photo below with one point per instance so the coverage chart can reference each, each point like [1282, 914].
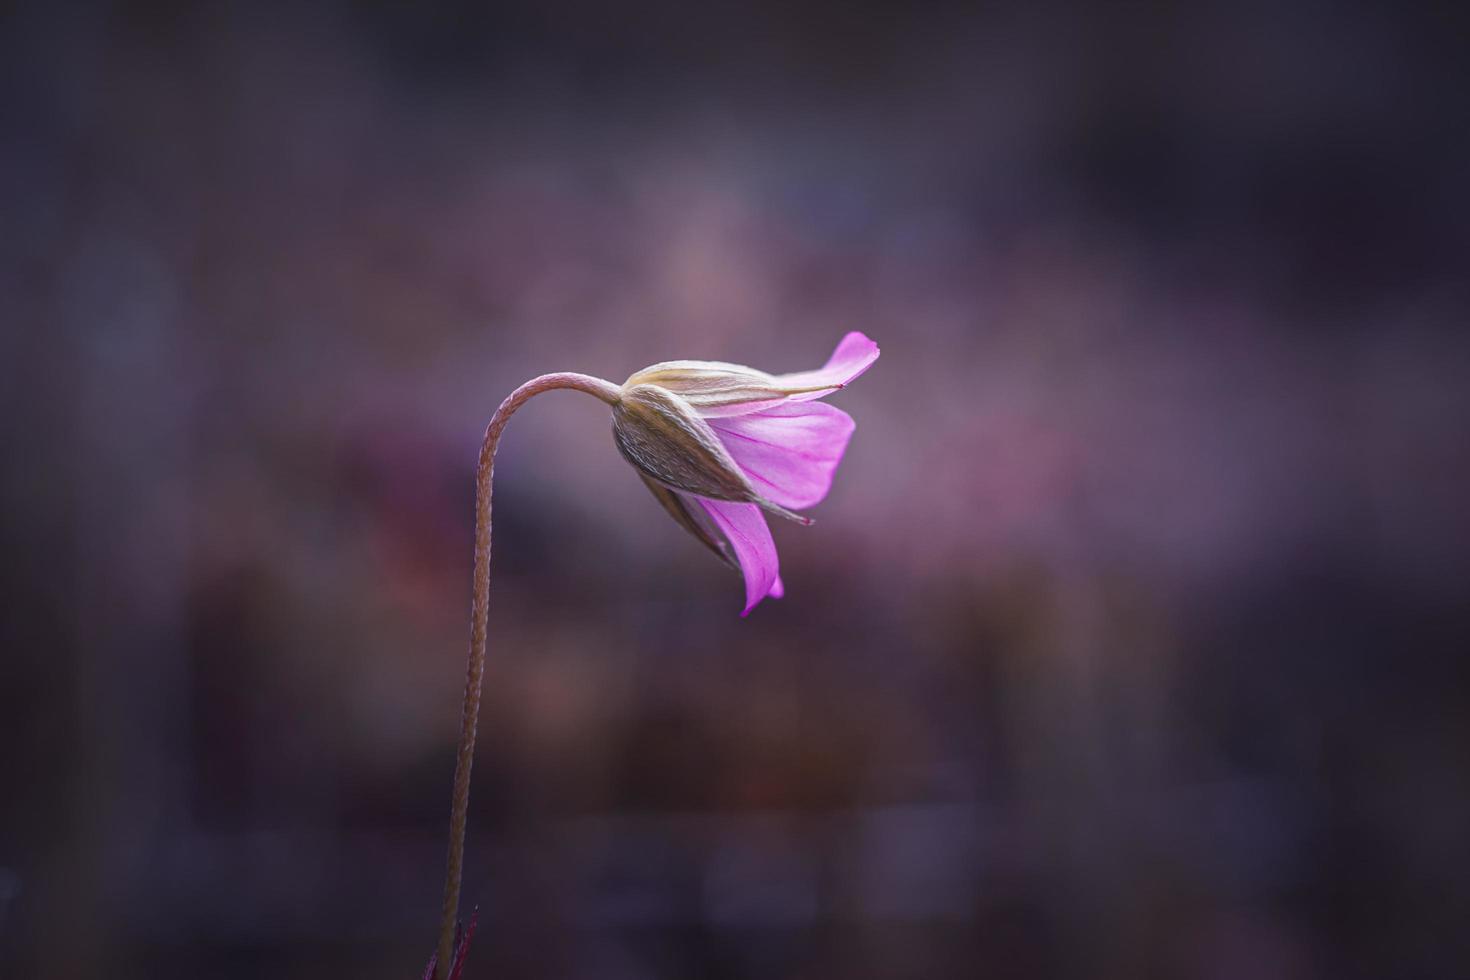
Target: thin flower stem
[479, 613]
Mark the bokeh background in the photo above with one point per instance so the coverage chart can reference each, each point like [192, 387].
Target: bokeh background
[1132, 642]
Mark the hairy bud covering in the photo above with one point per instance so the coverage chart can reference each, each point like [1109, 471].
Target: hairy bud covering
[665, 440]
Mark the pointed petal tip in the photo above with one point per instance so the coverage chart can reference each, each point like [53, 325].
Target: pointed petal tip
[855, 352]
[750, 538]
[853, 355]
[776, 591]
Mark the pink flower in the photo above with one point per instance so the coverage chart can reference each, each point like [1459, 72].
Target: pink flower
[718, 443]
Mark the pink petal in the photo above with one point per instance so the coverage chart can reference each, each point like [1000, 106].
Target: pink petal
[855, 353]
[778, 589]
[789, 451]
[745, 528]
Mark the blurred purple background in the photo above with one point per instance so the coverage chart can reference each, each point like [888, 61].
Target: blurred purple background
[1132, 641]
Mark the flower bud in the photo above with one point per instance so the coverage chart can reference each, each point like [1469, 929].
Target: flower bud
[662, 436]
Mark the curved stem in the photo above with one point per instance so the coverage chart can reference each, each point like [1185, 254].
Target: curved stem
[479, 612]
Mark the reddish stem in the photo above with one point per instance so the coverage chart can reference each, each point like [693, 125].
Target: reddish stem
[479, 614]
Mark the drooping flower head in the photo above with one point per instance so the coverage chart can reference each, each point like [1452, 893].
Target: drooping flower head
[719, 443]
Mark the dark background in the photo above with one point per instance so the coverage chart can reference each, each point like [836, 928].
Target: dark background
[1131, 642]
